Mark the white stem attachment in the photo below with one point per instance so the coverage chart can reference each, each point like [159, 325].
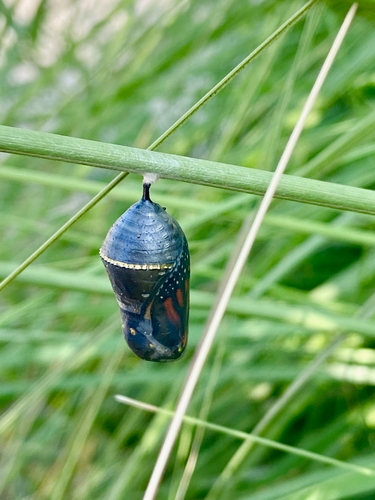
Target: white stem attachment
[150, 178]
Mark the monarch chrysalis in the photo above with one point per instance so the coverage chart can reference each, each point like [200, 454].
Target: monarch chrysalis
[147, 259]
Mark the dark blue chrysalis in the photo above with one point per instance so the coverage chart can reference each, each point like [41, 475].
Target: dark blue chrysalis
[147, 259]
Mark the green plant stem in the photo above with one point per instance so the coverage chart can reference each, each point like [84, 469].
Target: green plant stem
[250, 437]
[123, 158]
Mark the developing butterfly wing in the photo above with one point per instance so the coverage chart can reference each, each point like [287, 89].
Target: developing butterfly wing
[169, 309]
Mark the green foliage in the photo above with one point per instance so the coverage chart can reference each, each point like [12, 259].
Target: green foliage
[122, 72]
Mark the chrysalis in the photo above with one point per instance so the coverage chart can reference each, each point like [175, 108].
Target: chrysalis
[147, 259]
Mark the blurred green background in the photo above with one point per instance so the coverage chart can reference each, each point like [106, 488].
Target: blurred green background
[122, 72]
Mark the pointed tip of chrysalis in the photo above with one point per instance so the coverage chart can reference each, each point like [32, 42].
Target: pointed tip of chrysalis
[146, 191]
[148, 179]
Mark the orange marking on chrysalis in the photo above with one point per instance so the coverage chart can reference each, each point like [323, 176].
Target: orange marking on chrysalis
[171, 311]
[180, 297]
[147, 314]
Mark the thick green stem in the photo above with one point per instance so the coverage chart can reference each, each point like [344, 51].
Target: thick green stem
[236, 178]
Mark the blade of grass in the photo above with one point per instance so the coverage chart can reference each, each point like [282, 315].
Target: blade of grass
[219, 86]
[75, 448]
[38, 390]
[192, 459]
[223, 299]
[249, 437]
[62, 230]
